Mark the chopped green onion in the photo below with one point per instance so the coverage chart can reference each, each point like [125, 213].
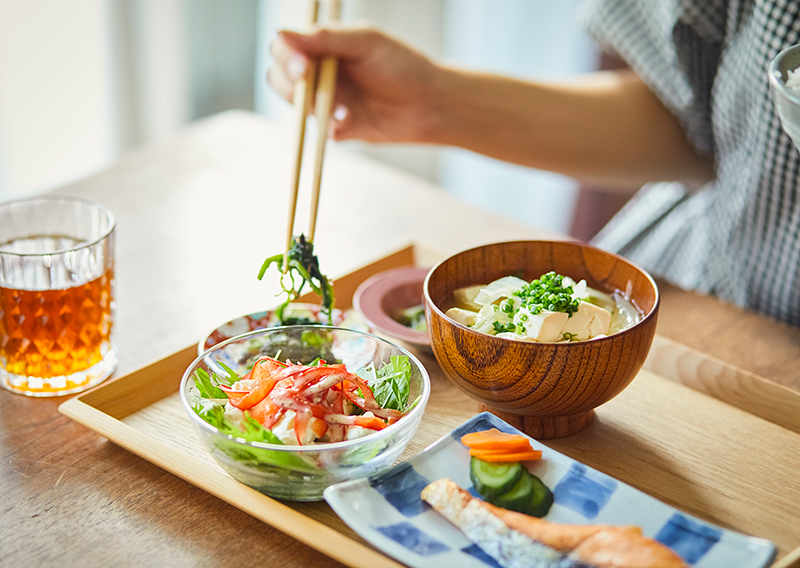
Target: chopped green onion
[545, 293]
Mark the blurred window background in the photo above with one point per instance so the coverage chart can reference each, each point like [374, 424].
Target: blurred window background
[83, 81]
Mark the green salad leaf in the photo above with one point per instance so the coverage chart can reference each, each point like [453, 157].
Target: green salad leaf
[208, 385]
[302, 268]
[252, 432]
[391, 383]
[232, 376]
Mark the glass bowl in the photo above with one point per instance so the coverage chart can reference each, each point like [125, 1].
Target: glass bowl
[348, 319]
[301, 473]
[786, 100]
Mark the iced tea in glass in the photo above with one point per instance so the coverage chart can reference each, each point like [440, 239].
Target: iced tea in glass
[56, 295]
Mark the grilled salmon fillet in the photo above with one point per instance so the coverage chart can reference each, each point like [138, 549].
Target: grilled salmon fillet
[521, 541]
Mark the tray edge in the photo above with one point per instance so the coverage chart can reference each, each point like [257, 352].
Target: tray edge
[311, 532]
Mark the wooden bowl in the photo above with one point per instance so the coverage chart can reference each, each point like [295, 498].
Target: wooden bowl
[547, 390]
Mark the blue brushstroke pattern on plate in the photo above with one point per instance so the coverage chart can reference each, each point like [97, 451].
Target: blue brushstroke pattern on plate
[387, 510]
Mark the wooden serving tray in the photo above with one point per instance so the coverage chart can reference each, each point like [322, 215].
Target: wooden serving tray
[691, 450]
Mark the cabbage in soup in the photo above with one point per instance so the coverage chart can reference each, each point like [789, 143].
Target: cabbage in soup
[550, 309]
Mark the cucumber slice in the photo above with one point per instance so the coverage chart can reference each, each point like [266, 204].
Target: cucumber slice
[519, 497]
[541, 499]
[493, 479]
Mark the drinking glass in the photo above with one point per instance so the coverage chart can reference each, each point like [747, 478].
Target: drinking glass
[56, 295]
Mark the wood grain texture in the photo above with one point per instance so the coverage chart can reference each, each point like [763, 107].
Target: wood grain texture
[704, 466]
[544, 427]
[553, 385]
[791, 560]
[698, 454]
[747, 340]
[190, 240]
[743, 389]
[191, 234]
[161, 439]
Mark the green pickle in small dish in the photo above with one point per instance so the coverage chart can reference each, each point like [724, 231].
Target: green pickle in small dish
[498, 475]
[511, 486]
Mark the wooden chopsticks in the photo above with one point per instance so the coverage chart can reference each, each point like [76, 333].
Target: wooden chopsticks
[304, 94]
[791, 560]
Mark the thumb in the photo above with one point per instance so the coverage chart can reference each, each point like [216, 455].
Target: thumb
[339, 42]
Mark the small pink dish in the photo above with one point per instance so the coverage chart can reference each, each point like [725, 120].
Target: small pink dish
[381, 298]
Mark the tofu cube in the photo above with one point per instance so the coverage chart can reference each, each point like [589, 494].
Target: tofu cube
[465, 298]
[589, 321]
[545, 326]
[464, 317]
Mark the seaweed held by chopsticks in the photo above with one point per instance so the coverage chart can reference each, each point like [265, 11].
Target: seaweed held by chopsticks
[302, 268]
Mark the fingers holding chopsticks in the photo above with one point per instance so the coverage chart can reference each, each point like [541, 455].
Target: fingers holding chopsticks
[290, 64]
[280, 83]
[290, 67]
[343, 42]
[386, 91]
[291, 53]
[341, 122]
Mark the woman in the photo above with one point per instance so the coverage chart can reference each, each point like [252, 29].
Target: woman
[693, 121]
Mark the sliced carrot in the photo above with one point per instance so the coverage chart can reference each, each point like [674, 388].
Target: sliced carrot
[371, 422]
[502, 451]
[255, 396]
[506, 457]
[509, 446]
[233, 395]
[494, 439]
[265, 367]
[319, 427]
[265, 377]
[266, 413]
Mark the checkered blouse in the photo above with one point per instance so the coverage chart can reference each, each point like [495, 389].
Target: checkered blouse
[737, 237]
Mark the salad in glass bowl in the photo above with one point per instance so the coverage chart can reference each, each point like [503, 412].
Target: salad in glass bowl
[320, 405]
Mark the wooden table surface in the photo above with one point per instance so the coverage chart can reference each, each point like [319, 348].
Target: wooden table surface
[195, 218]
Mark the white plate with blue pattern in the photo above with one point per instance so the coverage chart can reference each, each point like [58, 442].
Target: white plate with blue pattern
[388, 512]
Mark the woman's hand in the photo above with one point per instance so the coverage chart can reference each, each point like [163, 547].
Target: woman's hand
[605, 128]
[385, 90]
